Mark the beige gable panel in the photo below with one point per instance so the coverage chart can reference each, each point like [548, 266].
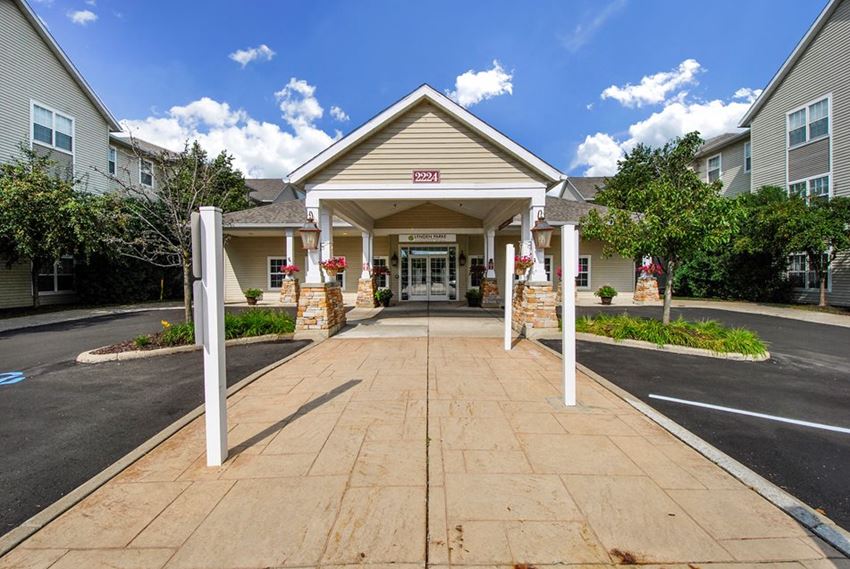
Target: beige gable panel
[427, 215]
[425, 137]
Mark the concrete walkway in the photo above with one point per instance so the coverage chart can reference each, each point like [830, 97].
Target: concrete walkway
[72, 314]
[420, 452]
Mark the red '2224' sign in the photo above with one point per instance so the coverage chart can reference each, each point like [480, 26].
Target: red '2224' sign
[426, 176]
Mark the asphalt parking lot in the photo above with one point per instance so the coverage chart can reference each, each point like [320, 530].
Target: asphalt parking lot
[806, 379]
[65, 422]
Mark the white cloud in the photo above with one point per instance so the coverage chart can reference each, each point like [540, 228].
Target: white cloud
[259, 148]
[653, 89]
[245, 56]
[599, 153]
[82, 17]
[473, 87]
[338, 114]
[585, 30]
[91, 2]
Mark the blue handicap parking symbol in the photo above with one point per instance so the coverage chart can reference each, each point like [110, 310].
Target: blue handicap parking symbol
[8, 378]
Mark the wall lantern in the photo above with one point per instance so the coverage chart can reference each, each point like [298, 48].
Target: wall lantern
[394, 260]
[490, 265]
[461, 260]
[542, 232]
[310, 233]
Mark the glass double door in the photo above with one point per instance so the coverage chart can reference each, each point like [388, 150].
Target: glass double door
[429, 277]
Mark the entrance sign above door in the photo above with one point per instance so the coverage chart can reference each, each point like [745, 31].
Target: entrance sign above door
[426, 176]
[427, 238]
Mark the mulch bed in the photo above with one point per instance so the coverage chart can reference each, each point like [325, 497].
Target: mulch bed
[130, 346]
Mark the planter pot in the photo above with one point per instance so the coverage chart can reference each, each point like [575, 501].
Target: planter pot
[606, 300]
[251, 301]
[385, 302]
[474, 303]
[520, 272]
[331, 274]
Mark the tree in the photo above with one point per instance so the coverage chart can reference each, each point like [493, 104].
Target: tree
[44, 216]
[658, 206]
[820, 229]
[159, 228]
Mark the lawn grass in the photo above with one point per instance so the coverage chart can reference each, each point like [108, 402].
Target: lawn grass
[705, 334]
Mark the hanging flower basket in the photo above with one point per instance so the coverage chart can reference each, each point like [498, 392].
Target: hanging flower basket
[522, 263]
[334, 266]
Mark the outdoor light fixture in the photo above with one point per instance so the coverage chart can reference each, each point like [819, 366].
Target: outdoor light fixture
[310, 233]
[490, 265]
[542, 232]
[394, 260]
[461, 260]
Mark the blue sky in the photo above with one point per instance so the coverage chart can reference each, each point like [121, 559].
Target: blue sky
[535, 70]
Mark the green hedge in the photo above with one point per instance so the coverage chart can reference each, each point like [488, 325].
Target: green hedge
[705, 334]
[246, 324]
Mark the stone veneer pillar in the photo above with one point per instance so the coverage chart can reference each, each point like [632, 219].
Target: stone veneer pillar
[289, 291]
[490, 293]
[320, 310]
[534, 309]
[646, 290]
[366, 289]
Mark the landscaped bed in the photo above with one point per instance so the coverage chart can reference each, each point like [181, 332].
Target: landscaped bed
[247, 324]
[705, 334]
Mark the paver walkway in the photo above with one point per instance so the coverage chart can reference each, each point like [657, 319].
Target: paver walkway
[422, 451]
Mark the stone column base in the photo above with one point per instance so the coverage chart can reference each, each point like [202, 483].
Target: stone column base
[366, 293]
[490, 293]
[534, 309]
[321, 312]
[289, 291]
[646, 290]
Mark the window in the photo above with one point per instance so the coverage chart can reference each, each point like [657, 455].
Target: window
[112, 161]
[57, 277]
[583, 278]
[340, 277]
[547, 266]
[145, 173]
[276, 275]
[382, 281]
[809, 123]
[801, 274]
[811, 189]
[53, 129]
[748, 157]
[475, 278]
[713, 168]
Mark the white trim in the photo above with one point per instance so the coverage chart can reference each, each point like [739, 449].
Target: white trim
[808, 181]
[269, 260]
[807, 288]
[42, 31]
[790, 61]
[425, 92]
[436, 192]
[551, 259]
[394, 187]
[719, 167]
[807, 124]
[748, 145]
[589, 272]
[141, 161]
[108, 156]
[52, 145]
[457, 231]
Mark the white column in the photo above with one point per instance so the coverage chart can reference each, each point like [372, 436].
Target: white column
[367, 254]
[290, 247]
[569, 262]
[326, 218]
[538, 272]
[490, 252]
[509, 295]
[215, 371]
[314, 271]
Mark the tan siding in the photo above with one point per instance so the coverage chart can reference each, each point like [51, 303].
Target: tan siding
[817, 73]
[30, 71]
[15, 287]
[808, 160]
[352, 249]
[425, 216]
[245, 264]
[735, 180]
[422, 138]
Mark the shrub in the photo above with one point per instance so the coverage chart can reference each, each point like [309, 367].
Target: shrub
[384, 295]
[606, 291]
[257, 323]
[705, 334]
[178, 334]
[253, 293]
[142, 341]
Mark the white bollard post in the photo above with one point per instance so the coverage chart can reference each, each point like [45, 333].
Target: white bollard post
[215, 373]
[509, 296]
[569, 270]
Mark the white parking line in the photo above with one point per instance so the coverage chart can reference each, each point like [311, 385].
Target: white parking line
[753, 414]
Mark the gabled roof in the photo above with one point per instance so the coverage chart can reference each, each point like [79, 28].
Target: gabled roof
[425, 92]
[41, 30]
[587, 186]
[792, 60]
[268, 190]
[143, 146]
[720, 141]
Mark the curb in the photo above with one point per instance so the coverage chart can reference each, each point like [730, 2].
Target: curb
[65, 503]
[104, 312]
[89, 357]
[817, 523]
[684, 350]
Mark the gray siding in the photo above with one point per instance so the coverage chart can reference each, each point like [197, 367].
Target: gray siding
[808, 160]
[30, 71]
[735, 179]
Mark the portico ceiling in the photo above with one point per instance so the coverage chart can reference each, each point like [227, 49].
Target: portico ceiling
[377, 209]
